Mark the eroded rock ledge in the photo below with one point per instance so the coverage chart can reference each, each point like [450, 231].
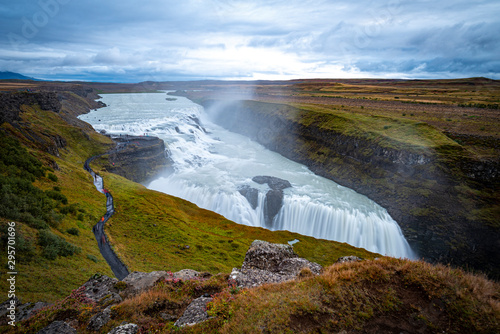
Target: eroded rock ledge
[274, 197]
[138, 158]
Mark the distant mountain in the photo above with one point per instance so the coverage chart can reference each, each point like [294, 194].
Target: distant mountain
[12, 75]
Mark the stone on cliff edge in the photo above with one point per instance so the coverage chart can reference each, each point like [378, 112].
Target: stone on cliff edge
[270, 263]
[58, 327]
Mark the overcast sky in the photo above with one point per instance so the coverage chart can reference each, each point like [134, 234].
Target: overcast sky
[161, 40]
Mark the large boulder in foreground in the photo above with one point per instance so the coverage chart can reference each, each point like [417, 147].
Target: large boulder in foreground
[271, 263]
[102, 289]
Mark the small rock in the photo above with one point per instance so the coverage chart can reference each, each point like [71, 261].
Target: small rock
[350, 258]
[99, 320]
[195, 313]
[293, 266]
[3, 306]
[25, 311]
[125, 329]
[58, 327]
[167, 317]
[186, 274]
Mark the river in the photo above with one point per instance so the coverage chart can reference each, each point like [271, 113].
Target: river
[211, 164]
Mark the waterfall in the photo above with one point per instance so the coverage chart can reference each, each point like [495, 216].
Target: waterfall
[211, 165]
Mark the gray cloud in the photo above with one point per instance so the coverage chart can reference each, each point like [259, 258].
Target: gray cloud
[171, 40]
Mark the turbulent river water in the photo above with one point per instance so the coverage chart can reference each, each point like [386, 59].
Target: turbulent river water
[211, 164]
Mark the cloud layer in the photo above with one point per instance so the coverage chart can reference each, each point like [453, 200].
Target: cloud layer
[128, 41]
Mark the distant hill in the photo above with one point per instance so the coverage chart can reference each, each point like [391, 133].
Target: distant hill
[12, 75]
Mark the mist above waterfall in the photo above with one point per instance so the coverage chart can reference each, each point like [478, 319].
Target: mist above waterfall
[212, 165]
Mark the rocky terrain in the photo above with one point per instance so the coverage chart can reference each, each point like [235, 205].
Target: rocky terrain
[197, 302]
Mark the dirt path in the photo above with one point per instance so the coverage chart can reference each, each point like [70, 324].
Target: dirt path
[117, 266]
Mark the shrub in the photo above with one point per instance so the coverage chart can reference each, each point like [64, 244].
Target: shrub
[92, 258]
[54, 246]
[14, 155]
[52, 177]
[25, 250]
[69, 209]
[73, 231]
[55, 195]
[23, 201]
[121, 285]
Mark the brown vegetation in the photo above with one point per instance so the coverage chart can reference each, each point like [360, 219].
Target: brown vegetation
[375, 296]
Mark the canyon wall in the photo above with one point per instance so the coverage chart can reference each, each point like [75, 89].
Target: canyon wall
[439, 195]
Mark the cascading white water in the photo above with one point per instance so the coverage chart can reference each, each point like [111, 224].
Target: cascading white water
[211, 164]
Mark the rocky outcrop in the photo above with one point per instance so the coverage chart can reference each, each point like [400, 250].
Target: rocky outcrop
[271, 263]
[251, 194]
[10, 103]
[102, 289]
[22, 311]
[274, 197]
[138, 158]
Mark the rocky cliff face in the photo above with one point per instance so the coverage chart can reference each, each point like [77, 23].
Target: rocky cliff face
[419, 188]
[138, 158]
[11, 102]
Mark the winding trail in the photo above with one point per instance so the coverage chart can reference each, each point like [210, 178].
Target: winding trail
[117, 266]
